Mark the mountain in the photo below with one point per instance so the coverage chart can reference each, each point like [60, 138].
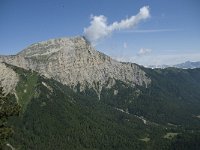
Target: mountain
[185, 65]
[74, 61]
[74, 97]
[188, 64]
[158, 66]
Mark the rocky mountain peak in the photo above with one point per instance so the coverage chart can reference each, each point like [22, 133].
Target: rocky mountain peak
[54, 45]
[74, 61]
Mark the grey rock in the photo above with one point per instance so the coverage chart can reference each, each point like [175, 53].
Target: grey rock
[8, 79]
[74, 61]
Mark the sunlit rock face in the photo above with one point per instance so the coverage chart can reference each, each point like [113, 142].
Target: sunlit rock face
[74, 61]
[8, 79]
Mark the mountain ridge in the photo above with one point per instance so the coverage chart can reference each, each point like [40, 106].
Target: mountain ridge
[184, 65]
[188, 65]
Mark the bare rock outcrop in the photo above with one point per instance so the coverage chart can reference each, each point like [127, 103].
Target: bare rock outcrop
[8, 79]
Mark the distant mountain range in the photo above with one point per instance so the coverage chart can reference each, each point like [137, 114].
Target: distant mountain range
[188, 64]
[185, 65]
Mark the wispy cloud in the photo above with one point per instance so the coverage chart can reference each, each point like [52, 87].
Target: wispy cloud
[125, 45]
[144, 51]
[99, 27]
[151, 30]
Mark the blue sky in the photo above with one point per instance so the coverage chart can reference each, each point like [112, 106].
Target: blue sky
[170, 35]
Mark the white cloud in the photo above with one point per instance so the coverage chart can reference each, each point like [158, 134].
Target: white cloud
[99, 27]
[144, 51]
[152, 30]
[125, 45]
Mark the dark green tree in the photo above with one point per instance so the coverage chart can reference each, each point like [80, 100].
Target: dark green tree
[8, 108]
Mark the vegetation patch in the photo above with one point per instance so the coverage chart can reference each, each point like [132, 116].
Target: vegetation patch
[146, 139]
[170, 135]
[26, 87]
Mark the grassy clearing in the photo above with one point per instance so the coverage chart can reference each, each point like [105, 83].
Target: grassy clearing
[146, 139]
[170, 135]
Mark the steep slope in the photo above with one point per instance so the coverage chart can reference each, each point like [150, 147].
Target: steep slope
[53, 116]
[173, 97]
[74, 61]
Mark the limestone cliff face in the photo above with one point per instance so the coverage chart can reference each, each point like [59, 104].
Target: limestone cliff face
[73, 61]
[8, 79]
